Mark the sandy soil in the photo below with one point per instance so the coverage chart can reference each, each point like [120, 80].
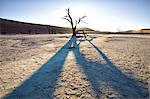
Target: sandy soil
[43, 66]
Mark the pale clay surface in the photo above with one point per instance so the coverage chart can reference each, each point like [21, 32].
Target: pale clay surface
[37, 67]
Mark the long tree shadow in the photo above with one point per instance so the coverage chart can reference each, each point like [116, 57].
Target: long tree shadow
[97, 73]
[41, 84]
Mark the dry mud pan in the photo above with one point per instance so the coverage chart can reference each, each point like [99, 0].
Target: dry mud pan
[43, 66]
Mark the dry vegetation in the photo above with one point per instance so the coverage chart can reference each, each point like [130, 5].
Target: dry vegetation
[38, 67]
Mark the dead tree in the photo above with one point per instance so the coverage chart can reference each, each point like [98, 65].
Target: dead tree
[73, 24]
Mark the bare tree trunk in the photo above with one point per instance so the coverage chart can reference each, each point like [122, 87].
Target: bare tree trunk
[74, 31]
[73, 25]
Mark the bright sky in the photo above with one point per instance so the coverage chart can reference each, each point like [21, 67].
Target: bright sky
[107, 15]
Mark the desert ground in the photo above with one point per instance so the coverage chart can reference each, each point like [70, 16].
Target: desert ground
[104, 67]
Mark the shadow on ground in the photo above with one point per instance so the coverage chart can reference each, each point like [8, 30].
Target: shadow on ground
[98, 73]
[42, 83]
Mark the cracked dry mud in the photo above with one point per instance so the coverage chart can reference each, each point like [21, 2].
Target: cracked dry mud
[110, 67]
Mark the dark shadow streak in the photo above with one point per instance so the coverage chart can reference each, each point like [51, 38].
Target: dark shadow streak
[110, 74]
[41, 83]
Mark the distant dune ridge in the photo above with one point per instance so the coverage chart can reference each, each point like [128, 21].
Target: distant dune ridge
[16, 27]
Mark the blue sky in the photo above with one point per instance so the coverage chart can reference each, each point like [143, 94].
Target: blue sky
[107, 15]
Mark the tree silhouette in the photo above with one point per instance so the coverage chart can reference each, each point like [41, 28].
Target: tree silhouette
[73, 24]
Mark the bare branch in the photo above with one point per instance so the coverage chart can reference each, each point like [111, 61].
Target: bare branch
[66, 19]
[66, 16]
[67, 9]
[73, 24]
[84, 22]
[80, 19]
[69, 18]
[83, 16]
